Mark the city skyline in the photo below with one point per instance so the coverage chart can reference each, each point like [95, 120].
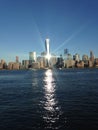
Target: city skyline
[25, 25]
[46, 59]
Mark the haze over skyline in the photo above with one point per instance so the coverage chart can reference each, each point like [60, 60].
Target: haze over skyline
[25, 24]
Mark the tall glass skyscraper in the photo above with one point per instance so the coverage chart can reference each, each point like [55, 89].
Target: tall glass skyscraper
[47, 46]
[32, 57]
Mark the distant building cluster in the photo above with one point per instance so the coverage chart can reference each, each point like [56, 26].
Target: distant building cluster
[47, 60]
[11, 65]
[75, 61]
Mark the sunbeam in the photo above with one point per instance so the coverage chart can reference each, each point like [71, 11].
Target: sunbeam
[39, 33]
[70, 38]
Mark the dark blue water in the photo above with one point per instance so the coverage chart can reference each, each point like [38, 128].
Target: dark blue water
[49, 99]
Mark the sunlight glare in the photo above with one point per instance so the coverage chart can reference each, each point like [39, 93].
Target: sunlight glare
[49, 91]
[48, 56]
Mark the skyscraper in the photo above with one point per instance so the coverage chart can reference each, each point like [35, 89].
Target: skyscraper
[47, 46]
[65, 51]
[17, 59]
[92, 56]
[32, 57]
[66, 54]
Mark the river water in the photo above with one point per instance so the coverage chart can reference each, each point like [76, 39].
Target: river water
[49, 99]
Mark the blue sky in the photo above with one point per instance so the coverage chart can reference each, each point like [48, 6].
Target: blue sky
[25, 24]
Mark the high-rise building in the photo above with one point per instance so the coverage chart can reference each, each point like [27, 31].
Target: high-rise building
[43, 54]
[65, 51]
[17, 59]
[92, 56]
[32, 57]
[60, 62]
[47, 46]
[66, 54]
[43, 59]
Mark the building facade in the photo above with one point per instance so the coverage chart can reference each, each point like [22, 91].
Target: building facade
[32, 57]
[47, 46]
[76, 57]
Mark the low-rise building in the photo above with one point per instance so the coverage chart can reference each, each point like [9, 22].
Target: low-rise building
[96, 62]
[80, 64]
[91, 64]
[35, 65]
[13, 66]
[69, 63]
[1, 66]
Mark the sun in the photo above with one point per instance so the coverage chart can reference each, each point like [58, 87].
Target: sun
[48, 56]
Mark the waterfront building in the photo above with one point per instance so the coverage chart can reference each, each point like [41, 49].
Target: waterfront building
[25, 64]
[80, 64]
[53, 60]
[13, 66]
[3, 64]
[32, 57]
[96, 62]
[76, 57]
[10, 65]
[40, 60]
[2, 61]
[41, 63]
[90, 64]
[85, 58]
[60, 62]
[35, 65]
[43, 59]
[69, 63]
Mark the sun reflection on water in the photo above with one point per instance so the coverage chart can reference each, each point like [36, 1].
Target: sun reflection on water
[49, 91]
[52, 110]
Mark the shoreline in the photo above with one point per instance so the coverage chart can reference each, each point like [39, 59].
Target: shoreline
[34, 69]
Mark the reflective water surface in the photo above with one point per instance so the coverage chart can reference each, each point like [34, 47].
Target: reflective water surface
[49, 99]
[52, 109]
